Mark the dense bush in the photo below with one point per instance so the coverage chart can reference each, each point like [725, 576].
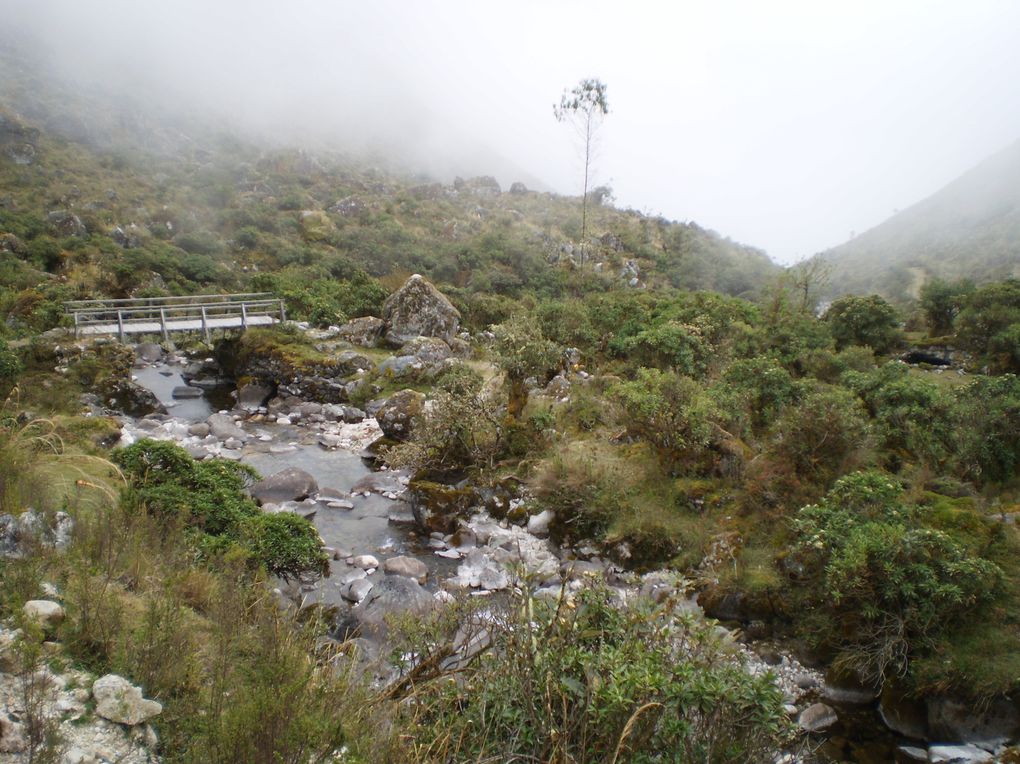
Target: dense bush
[208, 498]
[868, 321]
[886, 583]
[598, 681]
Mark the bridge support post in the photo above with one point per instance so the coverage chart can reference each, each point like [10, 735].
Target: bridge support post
[205, 327]
[244, 316]
[283, 313]
[120, 325]
[162, 325]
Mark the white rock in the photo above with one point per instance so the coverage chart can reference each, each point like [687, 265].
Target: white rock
[364, 561]
[120, 701]
[538, 525]
[44, 613]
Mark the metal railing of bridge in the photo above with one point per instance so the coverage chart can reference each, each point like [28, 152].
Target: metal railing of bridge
[202, 312]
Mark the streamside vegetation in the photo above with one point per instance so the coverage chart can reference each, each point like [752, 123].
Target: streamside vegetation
[845, 482]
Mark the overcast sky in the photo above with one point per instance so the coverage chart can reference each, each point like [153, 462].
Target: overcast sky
[785, 125]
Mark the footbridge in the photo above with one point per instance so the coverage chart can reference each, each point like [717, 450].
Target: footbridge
[163, 315]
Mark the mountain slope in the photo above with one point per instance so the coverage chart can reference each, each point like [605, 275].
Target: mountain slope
[104, 196]
[969, 229]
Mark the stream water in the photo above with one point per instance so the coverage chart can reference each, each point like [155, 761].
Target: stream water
[376, 525]
[380, 526]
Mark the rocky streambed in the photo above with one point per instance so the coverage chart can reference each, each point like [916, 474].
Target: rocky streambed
[313, 460]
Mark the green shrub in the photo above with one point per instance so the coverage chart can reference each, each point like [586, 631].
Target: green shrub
[598, 681]
[887, 583]
[868, 321]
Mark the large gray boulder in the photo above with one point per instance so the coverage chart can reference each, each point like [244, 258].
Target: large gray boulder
[224, 427]
[389, 596]
[396, 415]
[119, 701]
[418, 309]
[291, 484]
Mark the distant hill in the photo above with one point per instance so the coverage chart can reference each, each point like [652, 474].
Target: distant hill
[970, 228]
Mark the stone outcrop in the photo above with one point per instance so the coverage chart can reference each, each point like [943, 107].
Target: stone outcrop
[418, 309]
[396, 416]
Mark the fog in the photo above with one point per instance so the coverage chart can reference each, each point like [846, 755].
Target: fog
[785, 125]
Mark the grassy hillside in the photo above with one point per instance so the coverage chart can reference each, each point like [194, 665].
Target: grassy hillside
[102, 198]
[969, 229]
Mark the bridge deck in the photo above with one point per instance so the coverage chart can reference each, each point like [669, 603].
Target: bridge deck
[176, 325]
[162, 315]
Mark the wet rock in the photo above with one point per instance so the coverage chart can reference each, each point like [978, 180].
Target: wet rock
[817, 717]
[958, 754]
[407, 566]
[120, 701]
[953, 719]
[199, 429]
[364, 331]
[223, 426]
[148, 352]
[418, 309]
[186, 392]
[253, 396]
[391, 595]
[396, 415]
[902, 714]
[355, 591]
[291, 484]
[365, 561]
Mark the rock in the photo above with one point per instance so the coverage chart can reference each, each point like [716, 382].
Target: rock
[199, 429]
[149, 352]
[908, 753]
[120, 701]
[958, 754]
[401, 367]
[223, 427]
[66, 223]
[817, 717]
[13, 737]
[364, 331]
[355, 591]
[253, 396]
[518, 188]
[397, 413]
[431, 351]
[391, 595]
[418, 309]
[988, 726]
[365, 561]
[903, 715]
[407, 566]
[291, 484]
[45, 613]
[185, 392]
[538, 525]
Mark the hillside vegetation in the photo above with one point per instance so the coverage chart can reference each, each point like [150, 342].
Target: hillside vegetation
[969, 229]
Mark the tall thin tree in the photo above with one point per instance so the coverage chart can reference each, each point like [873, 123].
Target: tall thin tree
[584, 107]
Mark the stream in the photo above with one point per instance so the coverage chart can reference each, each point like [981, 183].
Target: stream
[380, 524]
